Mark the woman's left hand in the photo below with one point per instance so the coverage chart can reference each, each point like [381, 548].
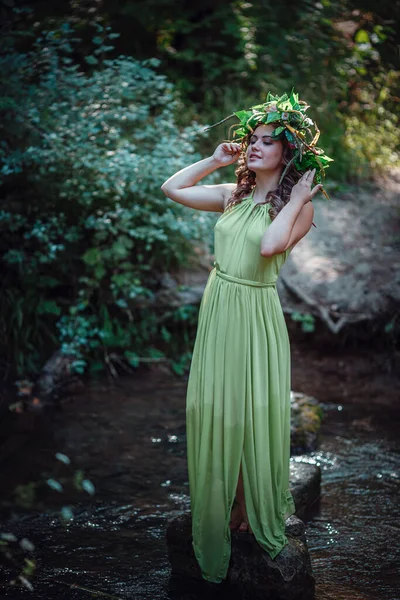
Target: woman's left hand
[301, 191]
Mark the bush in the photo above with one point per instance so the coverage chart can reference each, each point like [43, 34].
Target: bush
[372, 133]
[85, 230]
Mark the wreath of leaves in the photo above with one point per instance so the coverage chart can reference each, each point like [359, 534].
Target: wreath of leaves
[289, 113]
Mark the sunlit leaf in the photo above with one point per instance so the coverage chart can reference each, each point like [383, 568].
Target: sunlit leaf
[88, 486]
[55, 485]
[8, 537]
[361, 36]
[67, 514]
[63, 458]
[27, 545]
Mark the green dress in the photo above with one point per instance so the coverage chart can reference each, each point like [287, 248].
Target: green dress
[238, 395]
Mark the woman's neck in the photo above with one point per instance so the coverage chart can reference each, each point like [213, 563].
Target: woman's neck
[265, 182]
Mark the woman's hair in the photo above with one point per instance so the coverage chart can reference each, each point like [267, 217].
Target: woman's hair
[246, 180]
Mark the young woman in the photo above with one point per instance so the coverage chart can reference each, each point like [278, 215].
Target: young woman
[238, 394]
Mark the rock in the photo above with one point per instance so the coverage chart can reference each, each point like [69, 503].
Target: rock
[305, 422]
[56, 380]
[178, 296]
[336, 274]
[167, 281]
[288, 577]
[252, 574]
[305, 485]
[363, 424]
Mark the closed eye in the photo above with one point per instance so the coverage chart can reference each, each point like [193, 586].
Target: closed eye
[255, 138]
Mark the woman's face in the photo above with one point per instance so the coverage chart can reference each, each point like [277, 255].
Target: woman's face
[263, 153]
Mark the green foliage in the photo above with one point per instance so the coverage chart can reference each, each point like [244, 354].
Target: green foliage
[372, 132]
[307, 321]
[12, 550]
[292, 122]
[25, 494]
[86, 130]
[86, 231]
[333, 52]
[63, 479]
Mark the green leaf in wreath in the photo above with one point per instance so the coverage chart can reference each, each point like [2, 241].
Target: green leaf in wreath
[273, 116]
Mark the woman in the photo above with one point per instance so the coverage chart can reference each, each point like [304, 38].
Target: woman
[238, 394]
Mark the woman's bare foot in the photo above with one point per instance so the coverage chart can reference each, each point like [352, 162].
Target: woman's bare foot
[239, 520]
[240, 499]
[236, 516]
[245, 525]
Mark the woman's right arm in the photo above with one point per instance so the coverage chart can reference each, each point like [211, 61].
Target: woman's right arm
[182, 187]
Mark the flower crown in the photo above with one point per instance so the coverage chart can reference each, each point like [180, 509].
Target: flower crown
[292, 122]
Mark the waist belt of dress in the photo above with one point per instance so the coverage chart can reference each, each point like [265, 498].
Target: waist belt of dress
[242, 281]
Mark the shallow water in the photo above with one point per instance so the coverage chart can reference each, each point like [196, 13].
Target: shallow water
[352, 536]
[131, 441]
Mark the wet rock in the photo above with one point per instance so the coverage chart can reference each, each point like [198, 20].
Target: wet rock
[288, 577]
[56, 380]
[363, 424]
[305, 422]
[305, 485]
[252, 574]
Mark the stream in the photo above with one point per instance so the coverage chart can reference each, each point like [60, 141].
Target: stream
[129, 438]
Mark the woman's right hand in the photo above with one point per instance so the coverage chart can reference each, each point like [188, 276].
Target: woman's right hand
[226, 153]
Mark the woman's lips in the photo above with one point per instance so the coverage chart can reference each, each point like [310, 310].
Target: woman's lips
[254, 156]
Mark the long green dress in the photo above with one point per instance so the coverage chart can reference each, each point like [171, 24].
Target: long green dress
[238, 395]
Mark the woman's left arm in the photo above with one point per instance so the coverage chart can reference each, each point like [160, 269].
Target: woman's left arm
[294, 220]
